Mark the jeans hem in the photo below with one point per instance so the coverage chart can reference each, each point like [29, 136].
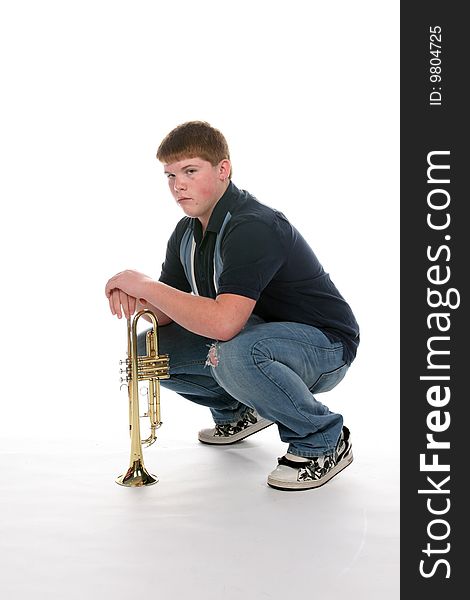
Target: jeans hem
[306, 454]
[239, 416]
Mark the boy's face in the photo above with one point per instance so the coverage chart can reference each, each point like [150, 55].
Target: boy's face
[196, 185]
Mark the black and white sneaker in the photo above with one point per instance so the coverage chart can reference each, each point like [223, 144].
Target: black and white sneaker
[230, 433]
[312, 472]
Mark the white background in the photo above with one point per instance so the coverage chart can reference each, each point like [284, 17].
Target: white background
[307, 95]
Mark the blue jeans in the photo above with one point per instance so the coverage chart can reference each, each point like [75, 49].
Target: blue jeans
[272, 367]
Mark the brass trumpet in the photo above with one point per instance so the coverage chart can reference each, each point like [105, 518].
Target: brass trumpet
[150, 367]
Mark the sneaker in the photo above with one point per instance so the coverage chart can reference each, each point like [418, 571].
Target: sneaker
[313, 472]
[230, 433]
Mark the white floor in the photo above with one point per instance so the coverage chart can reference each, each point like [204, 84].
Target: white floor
[85, 198]
[209, 529]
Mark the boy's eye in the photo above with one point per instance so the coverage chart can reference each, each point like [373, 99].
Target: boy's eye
[169, 175]
[190, 171]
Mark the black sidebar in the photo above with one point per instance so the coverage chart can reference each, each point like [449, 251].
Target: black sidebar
[435, 252]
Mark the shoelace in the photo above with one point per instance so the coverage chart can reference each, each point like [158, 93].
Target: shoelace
[228, 429]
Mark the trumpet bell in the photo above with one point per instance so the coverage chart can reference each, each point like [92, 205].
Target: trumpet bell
[136, 476]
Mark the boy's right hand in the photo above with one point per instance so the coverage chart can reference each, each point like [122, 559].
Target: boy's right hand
[120, 302]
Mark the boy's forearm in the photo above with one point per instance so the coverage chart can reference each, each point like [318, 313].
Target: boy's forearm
[221, 318]
[203, 316]
[162, 318]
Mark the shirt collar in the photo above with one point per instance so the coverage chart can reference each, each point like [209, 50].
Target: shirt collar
[222, 207]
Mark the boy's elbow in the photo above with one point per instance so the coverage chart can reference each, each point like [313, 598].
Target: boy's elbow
[227, 331]
[231, 315]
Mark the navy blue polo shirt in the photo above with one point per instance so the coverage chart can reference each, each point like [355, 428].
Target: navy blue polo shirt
[252, 250]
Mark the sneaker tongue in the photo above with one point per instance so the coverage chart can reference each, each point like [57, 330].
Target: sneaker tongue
[295, 464]
[295, 458]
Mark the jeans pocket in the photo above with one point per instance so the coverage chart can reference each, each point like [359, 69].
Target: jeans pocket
[327, 381]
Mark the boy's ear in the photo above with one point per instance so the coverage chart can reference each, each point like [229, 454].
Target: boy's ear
[224, 169]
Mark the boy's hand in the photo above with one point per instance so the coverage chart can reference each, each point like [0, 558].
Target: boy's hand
[123, 289]
[120, 301]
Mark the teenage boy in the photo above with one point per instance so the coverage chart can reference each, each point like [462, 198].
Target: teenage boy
[253, 324]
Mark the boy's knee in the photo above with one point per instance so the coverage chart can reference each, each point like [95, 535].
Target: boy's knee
[221, 354]
[212, 359]
[223, 360]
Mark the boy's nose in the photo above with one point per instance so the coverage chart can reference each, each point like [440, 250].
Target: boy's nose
[179, 184]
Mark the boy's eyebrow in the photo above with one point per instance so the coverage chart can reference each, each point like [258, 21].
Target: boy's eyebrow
[182, 168]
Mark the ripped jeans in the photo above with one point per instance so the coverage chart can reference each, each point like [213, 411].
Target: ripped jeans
[274, 368]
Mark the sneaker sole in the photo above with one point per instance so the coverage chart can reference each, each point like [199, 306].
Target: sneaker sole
[308, 485]
[237, 437]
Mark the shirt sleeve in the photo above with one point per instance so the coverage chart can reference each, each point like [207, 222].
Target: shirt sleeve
[252, 253]
[172, 270]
